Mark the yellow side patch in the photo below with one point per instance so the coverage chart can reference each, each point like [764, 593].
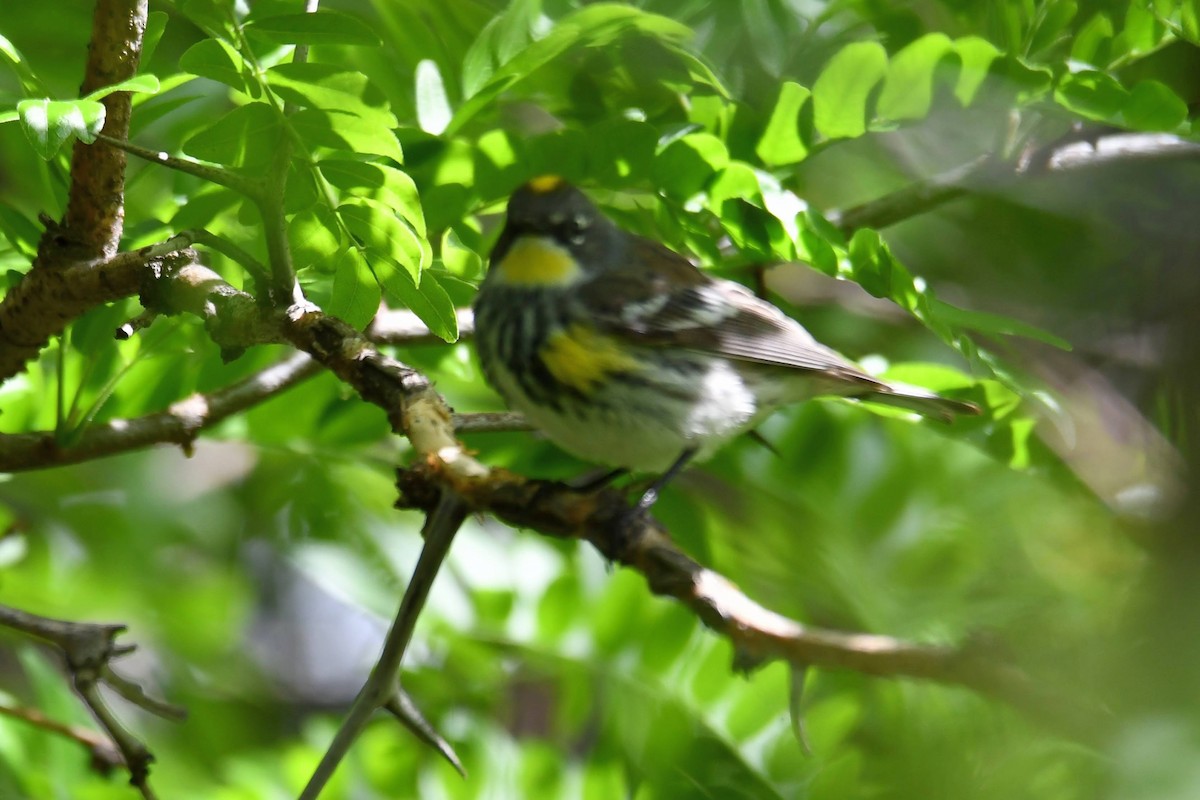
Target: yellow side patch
[544, 183]
[581, 358]
[533, 261]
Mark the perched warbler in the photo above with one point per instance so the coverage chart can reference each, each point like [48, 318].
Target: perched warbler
[624, 353]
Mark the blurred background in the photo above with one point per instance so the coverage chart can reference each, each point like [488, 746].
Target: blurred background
[258, 574]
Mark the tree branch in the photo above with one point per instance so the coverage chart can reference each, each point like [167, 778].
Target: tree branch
[45, 300]
[380, 689]
[96, 200]
[180, 424]
[104, 754]
[758, 634]
[88, 649]
[1079, 151]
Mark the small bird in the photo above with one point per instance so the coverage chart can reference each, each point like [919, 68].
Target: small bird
[625, 354]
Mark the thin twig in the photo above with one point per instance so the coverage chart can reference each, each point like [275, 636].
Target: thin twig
[380, 688]
[491, 422]
[88, 648]
[180, 424]
[105, 755]
[206, 172]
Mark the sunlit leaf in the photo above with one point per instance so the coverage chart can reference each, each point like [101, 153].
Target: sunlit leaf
[216, 60]
[1152, 106]
[781, 142]
[1092, 94]
[145, 84]
[428, 301]
[841, 91]
[378, 228]
[315, 239]
[331, 88]
[685, 165]
[908, 88]
[356, 293]
[345, 130]
[433, 107]
[48, 124]
[248, 136]
[389, 186]
[1090, 45]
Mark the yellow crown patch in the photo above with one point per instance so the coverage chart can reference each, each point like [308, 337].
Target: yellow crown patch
[543, 184]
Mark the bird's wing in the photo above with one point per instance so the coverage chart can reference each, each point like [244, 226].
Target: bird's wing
[663, 300]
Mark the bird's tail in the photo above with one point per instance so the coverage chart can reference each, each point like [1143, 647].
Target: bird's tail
[922, 401]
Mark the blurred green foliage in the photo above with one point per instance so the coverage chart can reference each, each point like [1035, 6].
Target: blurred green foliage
[257, 576]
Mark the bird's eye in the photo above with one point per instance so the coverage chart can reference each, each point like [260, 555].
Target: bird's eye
[571, 229]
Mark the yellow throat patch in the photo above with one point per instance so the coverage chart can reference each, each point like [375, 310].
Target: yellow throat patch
[534, 261]
[581, 358]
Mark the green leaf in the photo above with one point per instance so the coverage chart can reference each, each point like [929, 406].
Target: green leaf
[908, 89]
[497, 164]
[1183, 19]
[781, 142]
[595, 25]
[48, 124]
[217, 61]
[20, 231]
[735, 197]
[1152, 106]
[458, 259]
[29, 82]
[428, 301]
[145, 84]
[320, 27]
[874, 268]
[621, 150]
[1052, 27]
[212, 16]
[248, 137]
[513, 28]
[1091, 94]
[383, 233]
[686, 165]
[995, 324]
[356, 294]
[813, 246]
[333, 89]
[841, 91]
[315, 238]
[344, 130]
[156, 24]
[976, 56]
[1142, 32]
[433, 107]
[1089, 46]
[389, 186]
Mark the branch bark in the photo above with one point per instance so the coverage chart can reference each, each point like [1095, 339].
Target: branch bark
[96, 202]
[1066, 155]
[758, 634]
[58, 287]
[180, 424]
[88, 649]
